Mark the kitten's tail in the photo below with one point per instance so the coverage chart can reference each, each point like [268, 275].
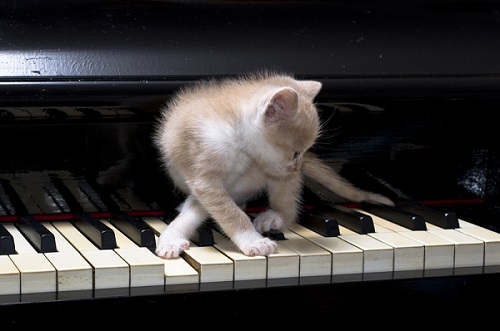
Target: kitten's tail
[320, 172]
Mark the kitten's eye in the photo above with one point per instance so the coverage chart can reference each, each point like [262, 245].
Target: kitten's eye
[296, 155]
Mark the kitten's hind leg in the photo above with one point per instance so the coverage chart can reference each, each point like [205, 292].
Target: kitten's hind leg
[175, 238]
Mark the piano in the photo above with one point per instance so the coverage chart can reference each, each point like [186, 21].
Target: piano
[411, 104]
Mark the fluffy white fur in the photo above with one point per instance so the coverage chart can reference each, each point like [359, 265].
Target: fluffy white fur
[223, 142]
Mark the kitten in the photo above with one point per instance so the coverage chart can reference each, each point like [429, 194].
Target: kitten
[224, 142]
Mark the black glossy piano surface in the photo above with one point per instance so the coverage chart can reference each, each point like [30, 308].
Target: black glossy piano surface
[411, 105]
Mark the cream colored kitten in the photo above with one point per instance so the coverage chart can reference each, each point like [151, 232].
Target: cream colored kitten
[223, 142]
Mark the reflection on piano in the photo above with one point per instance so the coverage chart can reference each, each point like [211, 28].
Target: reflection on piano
[82, 199]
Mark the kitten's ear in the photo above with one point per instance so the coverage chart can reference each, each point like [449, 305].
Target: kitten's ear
[282, 104]
[310, 87]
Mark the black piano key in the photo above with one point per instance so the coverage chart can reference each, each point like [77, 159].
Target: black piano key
[95, 230]
[6, 115]
[99, 195]
[203, 236]
[6, 242]
[274, 235]
[67, 195]
[14, 199]
[395, 215]
[93, 196]
[322, 224]
[443, 219]
[349, 218]
[55, 113]
[38, 235]
[135, 228]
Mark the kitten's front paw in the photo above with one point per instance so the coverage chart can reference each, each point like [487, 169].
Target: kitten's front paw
[253, 244]
[264, 247]
[267, 221]
[169, 246]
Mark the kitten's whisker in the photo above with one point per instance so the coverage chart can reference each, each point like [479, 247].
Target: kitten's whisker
[331, 132]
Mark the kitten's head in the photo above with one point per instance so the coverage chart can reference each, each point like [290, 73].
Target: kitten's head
[290, 124]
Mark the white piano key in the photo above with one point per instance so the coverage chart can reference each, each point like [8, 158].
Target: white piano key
[62, 244]
[74, 236]
[212, 265]
[74, 273]
[314, 260]
[10, 277]
[283, 263]
[343, 230]
[109, 269]
[431, 226]
[146, 268]
[178, 270]
[377, 256]
[465, 224]
[38, 275]
[245, 267]
[303, 231]
[469, 251]
[156, 224]
[439, 252]
[408, 253]
[490, 238]
[346, 258]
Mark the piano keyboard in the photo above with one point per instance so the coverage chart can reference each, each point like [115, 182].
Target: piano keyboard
[80, 268]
